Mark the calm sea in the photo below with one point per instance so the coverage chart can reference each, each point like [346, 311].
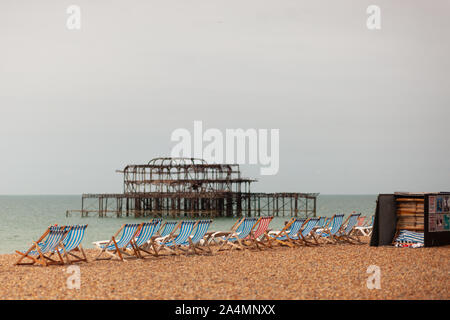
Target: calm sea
[24, 218]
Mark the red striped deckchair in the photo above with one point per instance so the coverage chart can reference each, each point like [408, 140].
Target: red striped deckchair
[260, 235]
[361, 221]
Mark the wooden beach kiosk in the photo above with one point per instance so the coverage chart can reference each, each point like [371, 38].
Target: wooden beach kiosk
[427, 213]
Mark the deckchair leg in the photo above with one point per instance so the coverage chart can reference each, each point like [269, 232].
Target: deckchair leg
[83, 253]
[67, 256]
[61, 259]
[135, 249]
[154, 249]
[209, 249]
[204, 247]
[28, 257]
[117, 248]
[269, 244]
[41, 255]
[25, 255]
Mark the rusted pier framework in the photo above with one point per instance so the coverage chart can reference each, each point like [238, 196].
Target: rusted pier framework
[188, 187]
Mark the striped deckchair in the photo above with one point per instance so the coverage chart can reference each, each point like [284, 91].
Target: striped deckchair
[321, 222]
[332, 227]
[166, 229]
[143, 241]
[171, 243]
[116, 249]
[41, 250]
[219, 236]
[242, 231]
[195, 242]
[72, 244]
[347, 229]
[365, 230]
[258, 233]
[406, 236]
[361, 221]
[307, 232]
[287, 225]
[327, 221]
[289, 233]
[154, 220]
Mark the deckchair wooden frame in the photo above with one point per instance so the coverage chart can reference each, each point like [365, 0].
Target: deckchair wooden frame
[283, 232]
[145, 247]
[119, 252]
[198, 246]
[77, 258]
[66, 254]
[161, 228]
[234, 244]
[305, 240]
[341, 236]
[42, 259]
[232, 233]
[157, 245]
[175, 248]
[213, 235]
[254, 241]
[330, 238]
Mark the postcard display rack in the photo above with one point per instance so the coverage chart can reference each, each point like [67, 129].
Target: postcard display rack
[437, 219]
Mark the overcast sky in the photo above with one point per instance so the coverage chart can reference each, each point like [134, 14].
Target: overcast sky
[359, 111]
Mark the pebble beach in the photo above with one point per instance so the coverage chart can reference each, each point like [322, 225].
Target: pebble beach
[328, 271]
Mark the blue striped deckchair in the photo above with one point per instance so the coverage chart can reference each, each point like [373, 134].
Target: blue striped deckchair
[406, 236]
[307, 231]
[171, 243]
[41, 250]
[287, 225]
[116, 249]
[332, 227]
[242, 230]
[321, 222]
[195, 242]
[166, 229]
[289, 233]
[143, 240]
[72, 243]
[347, 229]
